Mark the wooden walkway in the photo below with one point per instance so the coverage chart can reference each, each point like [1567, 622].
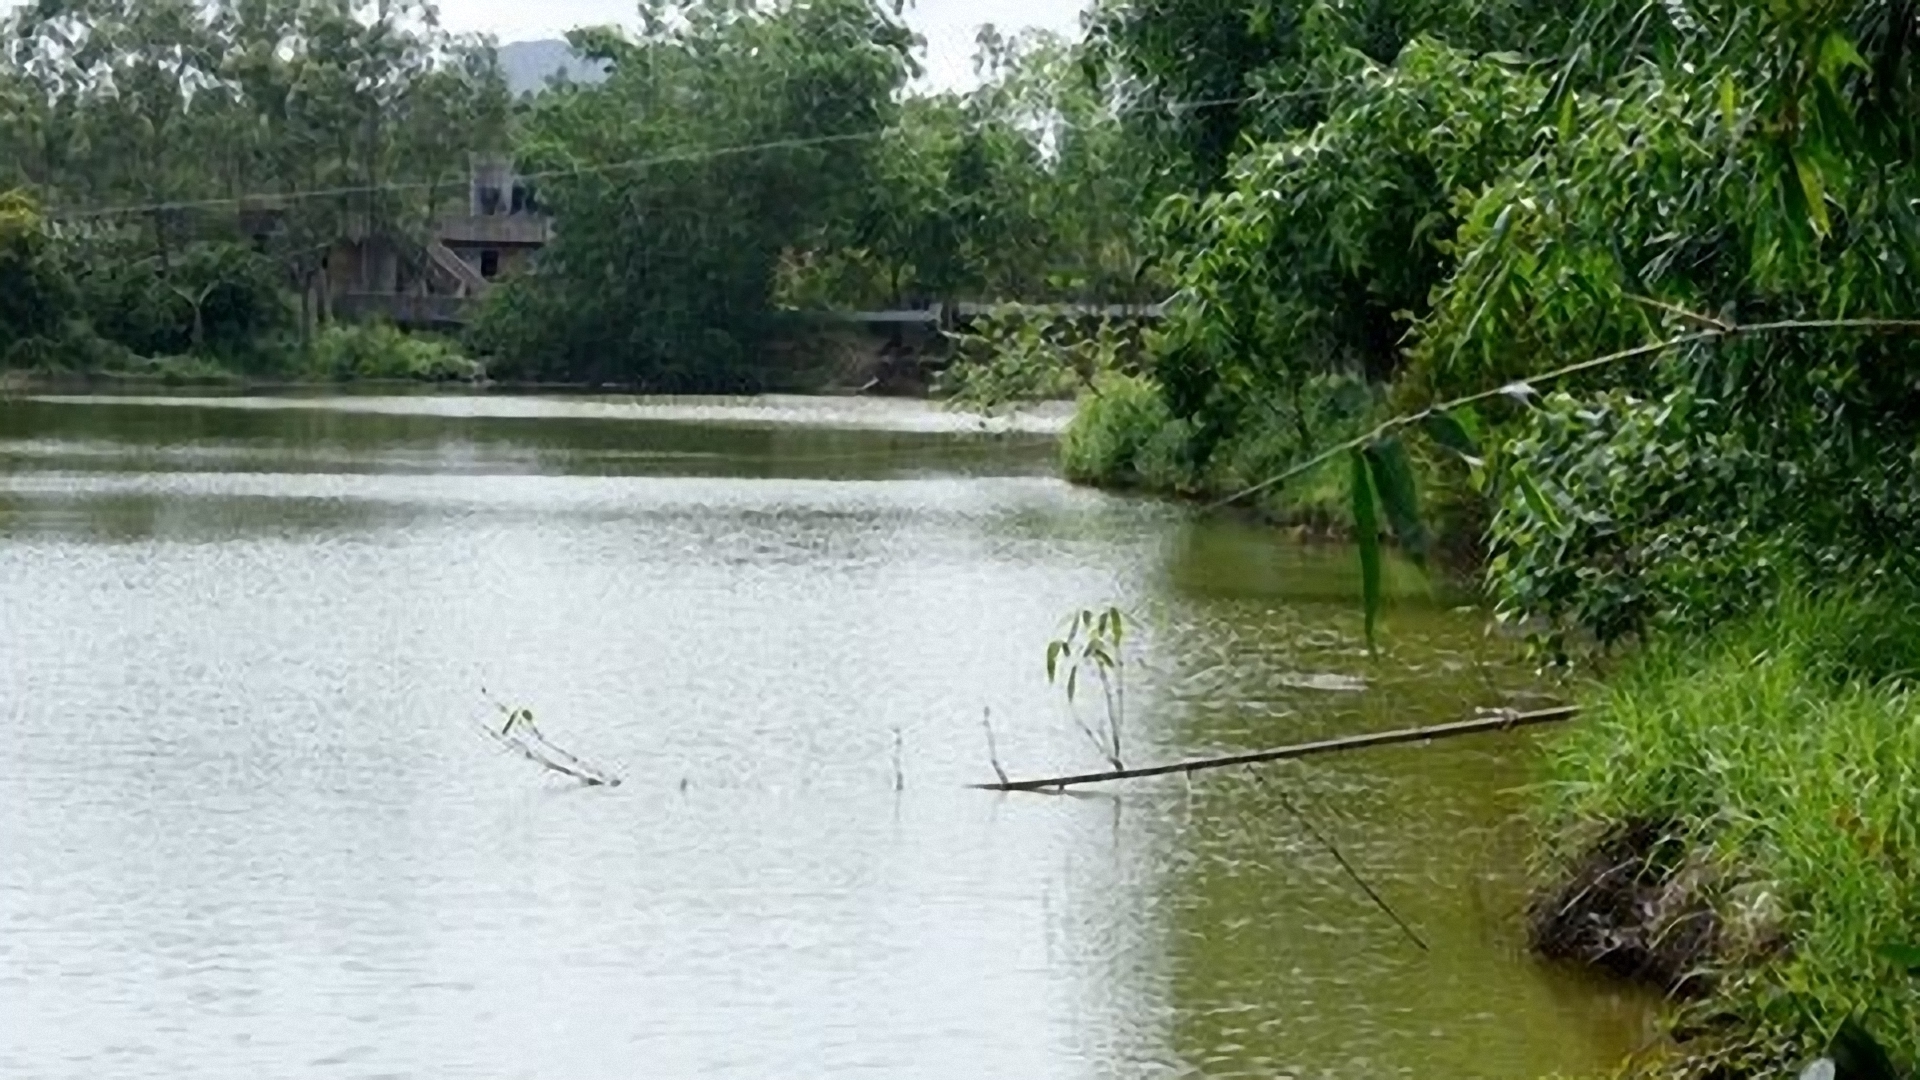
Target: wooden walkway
[960, 314]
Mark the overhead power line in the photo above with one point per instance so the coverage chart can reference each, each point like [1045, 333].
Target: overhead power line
[670, 158]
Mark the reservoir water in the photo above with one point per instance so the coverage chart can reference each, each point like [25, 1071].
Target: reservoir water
[250, 827]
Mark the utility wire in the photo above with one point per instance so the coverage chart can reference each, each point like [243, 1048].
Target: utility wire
[1523, 387]
[669, 158]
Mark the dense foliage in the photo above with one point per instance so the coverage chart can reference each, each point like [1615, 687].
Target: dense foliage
[670, 240]
[741, 162]
[1761, 782]
[1464, 195]
[145, 131]
[745, 167]
[1027, 188]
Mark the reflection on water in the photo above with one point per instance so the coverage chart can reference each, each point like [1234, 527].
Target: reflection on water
[249, 830]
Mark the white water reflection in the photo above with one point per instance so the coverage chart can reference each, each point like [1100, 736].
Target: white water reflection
[771, 410]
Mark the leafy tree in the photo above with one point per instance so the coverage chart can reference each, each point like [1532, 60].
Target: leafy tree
[1757, 171]
[146, 124]
[671, 236]
[36, 298]
[1442, 197]
[1203, 79]
[1026, 189]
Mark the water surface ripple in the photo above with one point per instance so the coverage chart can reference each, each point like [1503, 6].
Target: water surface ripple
[250, 831]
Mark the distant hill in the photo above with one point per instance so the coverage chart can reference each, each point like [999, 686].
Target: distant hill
[529, 64]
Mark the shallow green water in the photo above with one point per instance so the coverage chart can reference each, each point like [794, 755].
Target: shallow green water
[250, 829]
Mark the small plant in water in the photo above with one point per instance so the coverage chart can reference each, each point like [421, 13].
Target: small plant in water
[1095, 644]
[519, 733]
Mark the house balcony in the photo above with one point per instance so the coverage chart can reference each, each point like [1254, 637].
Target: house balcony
[499, 230]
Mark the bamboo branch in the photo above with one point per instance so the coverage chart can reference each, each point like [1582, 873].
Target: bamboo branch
[576, 771]
[520, 735]
[1691, 316]
[1505, 722]
[1722, 330]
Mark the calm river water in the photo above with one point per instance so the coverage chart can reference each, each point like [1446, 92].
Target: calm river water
[249, 828]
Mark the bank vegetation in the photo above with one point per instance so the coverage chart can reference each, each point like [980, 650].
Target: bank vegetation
[1353, 211]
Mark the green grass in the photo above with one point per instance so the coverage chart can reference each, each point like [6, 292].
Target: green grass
[346, 351]
[1785, 754]
[1124, 436]
[340, 352]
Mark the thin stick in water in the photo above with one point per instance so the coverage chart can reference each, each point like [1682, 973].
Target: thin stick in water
[1503, 722]
[993, 752]
[1372, 893]
[899, 774]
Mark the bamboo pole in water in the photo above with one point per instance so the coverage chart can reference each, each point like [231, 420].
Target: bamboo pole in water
[1504, 722]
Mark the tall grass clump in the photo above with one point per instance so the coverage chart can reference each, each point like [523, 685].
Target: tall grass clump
[1123, 435]
[1775, 770]
[347, 351]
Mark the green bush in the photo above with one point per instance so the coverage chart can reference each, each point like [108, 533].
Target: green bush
[36, 296]
[1122, 433]
[1020, 354]
[211, 298]
[1784, 752]
[70, 347]
[1125, 435]
[381, 351]
[1629, 513]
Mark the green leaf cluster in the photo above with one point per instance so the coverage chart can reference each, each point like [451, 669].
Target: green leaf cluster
[149, 131]
[1461, 196]
[671, 236]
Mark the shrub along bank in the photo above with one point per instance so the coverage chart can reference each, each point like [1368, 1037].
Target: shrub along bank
[338, 353]
[1738, 819]
[1718, 195]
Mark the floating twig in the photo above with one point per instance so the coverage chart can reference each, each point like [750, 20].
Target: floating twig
[522, 736]
[993, 752]
[1503, 722]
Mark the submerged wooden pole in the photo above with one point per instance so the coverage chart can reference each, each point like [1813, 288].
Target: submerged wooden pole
[1505, 722]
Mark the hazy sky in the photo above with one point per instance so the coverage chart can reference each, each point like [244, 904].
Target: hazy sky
[948, 25]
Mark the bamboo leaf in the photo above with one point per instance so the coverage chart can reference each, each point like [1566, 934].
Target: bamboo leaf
[1838, 54]
[1905, 957]
[1366, 528]
[1537, 500]
[1398, 489]
[1814, 187]
[1469, 420]
[1447, 430]
[1054, 649]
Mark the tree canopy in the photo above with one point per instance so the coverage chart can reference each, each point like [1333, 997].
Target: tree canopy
[143, 128]
[723, 136]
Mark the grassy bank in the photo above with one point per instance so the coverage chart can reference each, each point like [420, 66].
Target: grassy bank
[1739, 818]
[1124, 436]
[338, 353]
